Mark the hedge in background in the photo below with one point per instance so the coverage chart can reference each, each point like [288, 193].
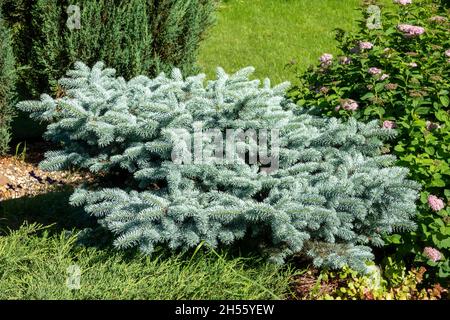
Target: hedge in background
[134, 36]
[7, 79]
[399, 75]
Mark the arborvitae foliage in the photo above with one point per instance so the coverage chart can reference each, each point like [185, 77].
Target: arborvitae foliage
[7, 81]
[333, 195]
[133, 36]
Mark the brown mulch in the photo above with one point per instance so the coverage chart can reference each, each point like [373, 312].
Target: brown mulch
[302, 285]
[20, 178]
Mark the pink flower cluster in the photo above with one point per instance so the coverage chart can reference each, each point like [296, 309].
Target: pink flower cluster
[432, 254]
[348, 104]
[374, 71]
[326, 59]
[410, 31]
[345, 60]
[379, 73]
[412, 64]
[438, 19]
[387, 124]
[447, 53]
[324, 90]
[435, 203]
[431, 125]
[403, 2]
[365, 45]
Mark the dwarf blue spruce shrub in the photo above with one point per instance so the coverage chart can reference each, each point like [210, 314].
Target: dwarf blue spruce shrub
[399, 75]
[332, 196]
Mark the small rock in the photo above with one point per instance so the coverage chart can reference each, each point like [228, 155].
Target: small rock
[3, 180]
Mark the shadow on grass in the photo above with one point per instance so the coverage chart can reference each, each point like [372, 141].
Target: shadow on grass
[51, 208]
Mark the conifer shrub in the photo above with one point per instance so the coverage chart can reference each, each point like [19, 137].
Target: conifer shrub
[399, 76]
[331, 197]
[7, 81]
[135, 37]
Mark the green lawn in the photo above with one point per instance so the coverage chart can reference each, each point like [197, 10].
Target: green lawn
[34, 261]
[269, 34]
[35, 264]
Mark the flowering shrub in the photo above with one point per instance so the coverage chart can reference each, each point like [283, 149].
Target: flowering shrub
[399, 74]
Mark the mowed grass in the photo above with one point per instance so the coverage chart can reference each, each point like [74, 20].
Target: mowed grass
[34, 264]
[38, 243]
[271, 34]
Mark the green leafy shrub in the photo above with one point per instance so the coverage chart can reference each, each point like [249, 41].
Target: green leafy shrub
[350, 285]
[399, 75]
[331, 195]
[135, 37]
[7, 81]
[35, 263]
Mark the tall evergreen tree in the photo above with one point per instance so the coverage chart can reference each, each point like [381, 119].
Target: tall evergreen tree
[332, 196]
[7, 82]
[133, 36]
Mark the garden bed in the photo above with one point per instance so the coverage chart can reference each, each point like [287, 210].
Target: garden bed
[111, 203]
[20, 175]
